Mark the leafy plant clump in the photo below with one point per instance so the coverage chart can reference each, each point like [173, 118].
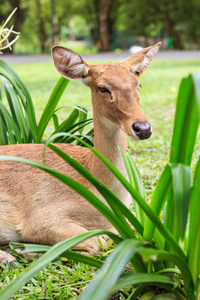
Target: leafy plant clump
[164, 248]
[18, 122]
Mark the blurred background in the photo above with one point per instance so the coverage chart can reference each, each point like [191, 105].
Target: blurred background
[91, 26]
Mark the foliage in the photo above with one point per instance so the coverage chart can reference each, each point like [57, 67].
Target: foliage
[126, 20]
[169, 259]
[18, 119]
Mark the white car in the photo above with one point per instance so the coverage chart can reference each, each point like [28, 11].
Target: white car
[134, 49]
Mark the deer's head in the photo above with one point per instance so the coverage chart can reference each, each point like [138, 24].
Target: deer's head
[114, 87]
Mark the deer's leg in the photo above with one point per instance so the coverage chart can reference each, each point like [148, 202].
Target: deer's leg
[57, 233]
[7, 257]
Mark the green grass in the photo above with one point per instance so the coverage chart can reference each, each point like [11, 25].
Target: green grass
[59, 280]
[160, 85]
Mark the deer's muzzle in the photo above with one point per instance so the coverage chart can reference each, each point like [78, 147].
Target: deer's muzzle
[142, 130]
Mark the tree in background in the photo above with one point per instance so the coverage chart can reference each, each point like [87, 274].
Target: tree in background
[179, 20]
[102, 16]
[109, 22]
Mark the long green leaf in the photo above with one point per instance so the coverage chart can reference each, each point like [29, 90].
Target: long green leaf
[186, 120]
[181, 179]
[136, 181]
[68, 254]
[51, 105]
[100, 286]
[82, 117]
[194, 232]
[53, 253]
[158, 200]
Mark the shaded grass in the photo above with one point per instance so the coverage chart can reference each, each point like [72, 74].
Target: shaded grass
[160, 83]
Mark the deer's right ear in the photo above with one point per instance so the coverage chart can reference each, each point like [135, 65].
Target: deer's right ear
[69, 63]
[141, 60]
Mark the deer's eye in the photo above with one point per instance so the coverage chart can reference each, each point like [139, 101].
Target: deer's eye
[103, 89]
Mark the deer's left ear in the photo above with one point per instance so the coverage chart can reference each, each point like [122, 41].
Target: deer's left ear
[139, 61]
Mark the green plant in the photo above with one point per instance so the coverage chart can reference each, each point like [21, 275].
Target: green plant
[5, 33]
[17, 115]
[164, 249]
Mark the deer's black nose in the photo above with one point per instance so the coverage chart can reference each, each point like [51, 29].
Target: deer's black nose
[142, 130]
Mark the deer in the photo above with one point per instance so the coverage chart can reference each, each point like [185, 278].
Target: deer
[37, 208]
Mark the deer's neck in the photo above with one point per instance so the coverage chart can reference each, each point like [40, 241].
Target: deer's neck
[107, 139]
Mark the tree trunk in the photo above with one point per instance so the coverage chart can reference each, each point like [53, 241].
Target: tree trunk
[41, 28]
[19, 14]
[105, 25]
[173, 33]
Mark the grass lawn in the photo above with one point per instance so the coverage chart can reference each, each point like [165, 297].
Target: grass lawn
[160, 83]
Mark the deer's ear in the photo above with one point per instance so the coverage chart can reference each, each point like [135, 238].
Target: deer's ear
[69, 63]
[139, 61]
